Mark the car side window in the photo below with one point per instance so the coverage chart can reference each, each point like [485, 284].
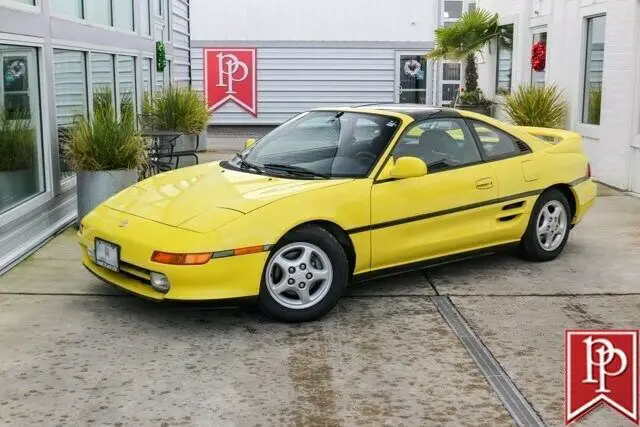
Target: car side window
[495, 143]
[441, 143]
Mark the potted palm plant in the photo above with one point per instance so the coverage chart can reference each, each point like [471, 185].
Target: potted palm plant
[462, 41]
[17, 155]
[105, 152]
[177, 109]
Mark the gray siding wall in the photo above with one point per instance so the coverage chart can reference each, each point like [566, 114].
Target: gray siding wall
[180, 40]
[294, 79]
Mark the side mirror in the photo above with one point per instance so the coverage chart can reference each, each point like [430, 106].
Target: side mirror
[409, 167]
[249, 142]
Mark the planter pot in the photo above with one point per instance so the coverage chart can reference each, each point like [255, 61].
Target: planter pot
[96, 187]
[189, 143]
[16, 186]
[480, 109]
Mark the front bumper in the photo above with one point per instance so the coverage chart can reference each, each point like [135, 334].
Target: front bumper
[220, 278]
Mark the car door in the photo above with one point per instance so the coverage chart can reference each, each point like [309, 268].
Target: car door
[440, 213]
[515, 167]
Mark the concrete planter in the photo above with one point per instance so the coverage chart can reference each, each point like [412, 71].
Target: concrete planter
[16, 186]
[480, 109]
[96, 187]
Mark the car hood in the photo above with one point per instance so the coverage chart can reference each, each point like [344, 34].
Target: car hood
[175, 197]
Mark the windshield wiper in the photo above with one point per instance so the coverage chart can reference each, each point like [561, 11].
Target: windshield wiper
[295, 170]
[246, 164]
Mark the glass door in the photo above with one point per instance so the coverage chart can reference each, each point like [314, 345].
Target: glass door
[413, 78]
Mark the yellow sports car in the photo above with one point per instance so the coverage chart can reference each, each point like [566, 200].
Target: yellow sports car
[340, 194]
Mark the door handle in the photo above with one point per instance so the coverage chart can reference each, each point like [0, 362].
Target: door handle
[484, 183]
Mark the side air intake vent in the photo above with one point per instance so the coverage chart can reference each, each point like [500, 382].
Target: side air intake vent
[524, 148]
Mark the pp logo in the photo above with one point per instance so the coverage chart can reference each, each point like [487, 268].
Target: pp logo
[230, 75]
[601, 367]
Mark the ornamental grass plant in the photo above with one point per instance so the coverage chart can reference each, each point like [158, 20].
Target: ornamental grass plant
[17, 141]
[106, 142]
[176, 109]
[538, 106]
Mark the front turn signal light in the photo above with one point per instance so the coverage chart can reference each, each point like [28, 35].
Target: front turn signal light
[181, 259]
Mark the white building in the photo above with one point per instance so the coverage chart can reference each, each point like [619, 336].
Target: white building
[53, 55]
[315, 53]
[593, 46]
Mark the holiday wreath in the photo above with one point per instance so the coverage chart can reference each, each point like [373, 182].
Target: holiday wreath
[538, 56]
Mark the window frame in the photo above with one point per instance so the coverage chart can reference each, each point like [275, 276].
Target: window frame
[68, 176]
[498, 90]
[18, 5]
[485, 157]
[85, 20]
[583, 72]
[463, 123]
[444, 82]
[44, 142]
[537, 32]
[116, 74]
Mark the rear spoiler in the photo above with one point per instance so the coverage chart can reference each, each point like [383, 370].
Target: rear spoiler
[560, 140]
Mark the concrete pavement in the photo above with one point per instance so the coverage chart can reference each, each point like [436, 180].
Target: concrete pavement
[75, 351]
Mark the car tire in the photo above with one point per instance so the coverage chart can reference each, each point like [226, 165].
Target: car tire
[307, 258]
[551, 214]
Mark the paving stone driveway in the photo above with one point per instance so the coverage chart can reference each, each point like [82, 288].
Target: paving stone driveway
[75, 351]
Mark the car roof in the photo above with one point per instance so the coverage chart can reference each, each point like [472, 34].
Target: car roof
[415, 111]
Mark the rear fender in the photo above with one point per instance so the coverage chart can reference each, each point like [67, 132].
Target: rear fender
[558, 140]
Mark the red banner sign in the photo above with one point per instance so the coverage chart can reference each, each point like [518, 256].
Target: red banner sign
[230, 75]
[601, 368]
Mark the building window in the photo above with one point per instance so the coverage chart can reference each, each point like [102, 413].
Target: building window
[145, 15]
[70, 85]
[538, 77]
[102, 82]
[99, 11]
[127, 83]
[594, 65]
[147, 75]
[505, 60]
[68, 7]
[452, 9]
[160, 80]
[168, 19]
[472, 6]
[451, 81]
[169, 76]
[21, 172]
[123, 14]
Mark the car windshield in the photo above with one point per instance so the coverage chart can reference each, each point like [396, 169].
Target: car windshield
[321, 144]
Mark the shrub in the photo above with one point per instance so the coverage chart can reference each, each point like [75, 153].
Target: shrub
[531, 105]
[17, 141]
[595, 99]
[473, 98]
[176, 109]
[104, 142]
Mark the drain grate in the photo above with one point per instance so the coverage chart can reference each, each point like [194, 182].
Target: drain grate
[518, 407]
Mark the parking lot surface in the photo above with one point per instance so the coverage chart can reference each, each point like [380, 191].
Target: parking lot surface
[75, 351]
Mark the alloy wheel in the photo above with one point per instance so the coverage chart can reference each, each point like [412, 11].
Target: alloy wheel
[552, 225]
[299, 275]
